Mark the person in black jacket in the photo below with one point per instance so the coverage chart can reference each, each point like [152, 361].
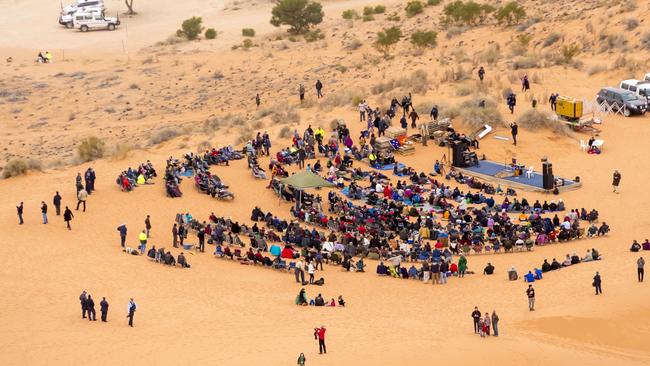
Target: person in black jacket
[19, 210]
[319, 89]
[201, 236]
[103, 305]
[57, 203]
[597, 284]
[82, 300]
[476, 316]
[67, 217]
[90, 308]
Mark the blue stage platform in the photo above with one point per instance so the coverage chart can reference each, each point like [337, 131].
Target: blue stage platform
[489, 170]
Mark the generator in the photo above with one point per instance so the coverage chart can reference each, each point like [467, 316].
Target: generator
[568, 108]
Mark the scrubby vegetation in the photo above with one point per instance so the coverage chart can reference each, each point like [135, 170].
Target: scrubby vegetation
[191, 28]
[510, 14]
[423, 39]
[248, 32]
[210, 33]
[299, 15]
[467, 13]
[387, 38]
[18, 166]
[90, 149]
[163, 135]
[533, 120]
[350, 14]
[414, 8]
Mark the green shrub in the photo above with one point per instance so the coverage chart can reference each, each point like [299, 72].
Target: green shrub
[387, 38]
[248, 32]
[368, 18]
[394, 18]
[469, 13]
[314, 35]
[247, 43]
[191, 28]
[368, 10]
[569, 52]
[300, 15]
[91, 148]
[433, 2]
[512, 13]
[18, 166]
[422, 39]
[414, 8]
[210, 33]
[379, 9]
[350, 14]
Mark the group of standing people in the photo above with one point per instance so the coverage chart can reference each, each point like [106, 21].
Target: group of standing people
[56, 201]
[482, 324]
[88, 308]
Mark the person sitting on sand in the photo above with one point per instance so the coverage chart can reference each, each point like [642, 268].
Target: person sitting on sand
[341, 301]
[301, 299]
[588, 257]
[319, 301]
[595, 254]
[635, 247]
[489, 269]
[567, 261]
[538, 273]
[382, 269]
[575, 259]
[360, 265]
[646, 245]
[332, 303]
[546, 266]
[169, 259]
[182, 262]
[529, 277]
[603, 229]
[555, 265]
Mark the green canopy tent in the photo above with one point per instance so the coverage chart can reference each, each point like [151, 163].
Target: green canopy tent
[304, 180]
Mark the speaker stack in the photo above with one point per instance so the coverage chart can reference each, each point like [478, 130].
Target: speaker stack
[547, 175]
[458, 148]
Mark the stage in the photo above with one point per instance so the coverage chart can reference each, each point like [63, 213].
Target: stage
[494, 172]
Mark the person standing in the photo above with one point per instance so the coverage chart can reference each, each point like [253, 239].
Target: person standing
[201, 236]
[131, 309]
[296, 271]
[182, 233]
[476, 316]
[319, 89]
[552, 100]
[78, 183]
[19, 210]
[82, 300]
[514, 131]
[311, 270]
[486, 324]
[175, 236]
[44, 211]
[82, 195]
[512, 102]
[143, 241]
[414, 117]
[56, 201]
[481, 73]
[258, 101]
[147, 225]
[122, 229]
[67, 217]
[90, 308]
[616, 180]
[103, 307]
[320, 334]
[640, 263]
[301, 92]
[301, 359]
[495, 323]
[597, 284]
[434, 113]
[530, 292]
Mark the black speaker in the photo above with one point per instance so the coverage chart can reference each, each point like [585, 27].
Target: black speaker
[458, 148]
[547, 173]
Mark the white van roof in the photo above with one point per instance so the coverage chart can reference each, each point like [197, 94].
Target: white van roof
[631, 81]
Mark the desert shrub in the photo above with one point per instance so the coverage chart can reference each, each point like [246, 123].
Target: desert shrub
[18, 166]
[414, 8]
[645, 40]
[506, 92]
[596, 69]
[468, 13]
[533, 120]
[475, 116]
[247, 43]
[350, 14]
[191, 28]
[248, 32]
[90, 148]
[463, 90]
[569, 52]
[525, 62]
[280, 114]
[368, 18]
[393, 18]
[285, 132]
[417, 82]
[455, 74]
[551, 39]
[162, 135]
[510, 14]
[121, 150]
[379, 9]
[368, 10]
[299, 15]
[244, 136]
[354, 44]
[433, 2]
[631, 24]
[527, 24]
[491, 55]
[423, 39]
[210, 33]
[313, 36]
[387, 38]
[454, 31]
[341, 98]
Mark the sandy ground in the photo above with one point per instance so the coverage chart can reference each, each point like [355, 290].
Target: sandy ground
[224, 313]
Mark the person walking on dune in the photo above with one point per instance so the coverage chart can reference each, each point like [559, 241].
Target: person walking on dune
[19, 210]
[319, 89]
[67, 217]
[530, 292]
[123, 230]
[131, 309]
[56, 201]
[476, 317]
[514, 131]
[616, 180]
[597, 284]
[44, 211]
[147, 225]
[640, 263]
[302, 359]
[81, 198]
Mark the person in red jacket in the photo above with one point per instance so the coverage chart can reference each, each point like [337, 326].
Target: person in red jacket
[319, 333]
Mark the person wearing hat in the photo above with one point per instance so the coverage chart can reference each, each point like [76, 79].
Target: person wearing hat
[616, 180]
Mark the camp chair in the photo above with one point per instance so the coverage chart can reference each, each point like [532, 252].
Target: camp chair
[292, 266]
[529, 172]
[282, 265]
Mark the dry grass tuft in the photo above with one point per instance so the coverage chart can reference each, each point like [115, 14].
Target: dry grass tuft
[90, 149]
[19, 166]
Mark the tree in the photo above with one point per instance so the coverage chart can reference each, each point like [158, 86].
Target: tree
[387, 38]
[191, 28]
[300, 15]
[469, 13]
[422, 39]
[129, 5]
[511, 13]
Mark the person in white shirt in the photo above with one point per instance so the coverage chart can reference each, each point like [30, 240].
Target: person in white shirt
[311, 270]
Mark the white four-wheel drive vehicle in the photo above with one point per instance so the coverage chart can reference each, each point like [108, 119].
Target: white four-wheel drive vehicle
[89, 21]
[67, 20]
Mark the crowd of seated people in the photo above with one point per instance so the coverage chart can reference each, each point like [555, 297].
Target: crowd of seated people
[132, 178]
[570, 260]
[635, 247]
[167, 258]
[210, 184]
[302, 300]
[221, 155]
